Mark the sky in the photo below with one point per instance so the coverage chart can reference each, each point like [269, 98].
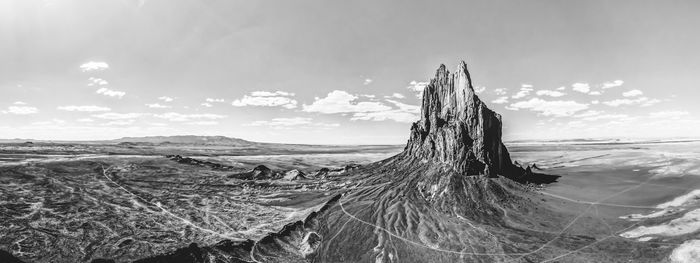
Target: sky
[344, 72]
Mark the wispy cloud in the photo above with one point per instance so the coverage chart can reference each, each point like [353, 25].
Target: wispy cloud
[479, 89]
[289, 123]
[120, 122]
[339, 101]
[85, 108]
[550, 93]
[214, 100]
[367, 82]
[203, 123]
[396, 95]
[174, 116]
[111, 93]
[632, 93]
[612, 84]
[21, 110]
[94, 66]
[581, 87]
[555, 108]
[643, 101]
[417, 87]
[118, 116]
[271, 94]
[501, 100]
[97, 82]
[158, 106]
[166, 98]
[267, 99]
[668, 114]
[523, 92]
[500, 91]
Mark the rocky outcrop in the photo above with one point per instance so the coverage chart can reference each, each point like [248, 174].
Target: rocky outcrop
[456, 127]
[192, 161]
[294, 175]
[260, 172]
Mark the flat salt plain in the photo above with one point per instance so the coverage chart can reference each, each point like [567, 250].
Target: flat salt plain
[60, 206]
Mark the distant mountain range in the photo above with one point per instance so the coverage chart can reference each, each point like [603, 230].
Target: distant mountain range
[178, 139]
[187, 139]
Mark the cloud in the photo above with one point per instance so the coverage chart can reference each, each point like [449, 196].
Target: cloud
[395, 115]
[21, 110]
[49, 123]
[86, 108]
[214, 100]
[203, 123]
[85, 120]
[94, 66]
[527, 86]
[500, 100]
[174, 116]
[339, 101]
[267, 99]
[524, 91]
[595, 93]
[166, 98]
[19, 103]
[617, 117]
[206, 104]
[97, 82]
[581, 87]
[561, 88]
[111, 93]
[158, 106]
[612, 84]
[550, 108]
[271, 94]
[418, 87]
[668, 114]
[500, 92]
[595, 102]
[405, 113]
[588, 113]
[632, 93]
[367, 82]
[118, 116]
[643, 101]
[295, 122]
[479, 89]
[396, 95]
[550, 93]
[120, 122]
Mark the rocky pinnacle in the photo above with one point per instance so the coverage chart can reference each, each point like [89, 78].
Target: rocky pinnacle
[456, 127]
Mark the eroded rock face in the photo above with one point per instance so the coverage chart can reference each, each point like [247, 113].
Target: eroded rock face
[457, 128]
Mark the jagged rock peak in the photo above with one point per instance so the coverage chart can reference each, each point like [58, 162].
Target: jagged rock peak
[457, 128]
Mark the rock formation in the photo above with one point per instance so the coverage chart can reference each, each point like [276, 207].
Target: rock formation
[457, 128]
[294, 175]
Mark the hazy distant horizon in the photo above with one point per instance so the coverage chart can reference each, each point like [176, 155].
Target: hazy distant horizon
[523, 141]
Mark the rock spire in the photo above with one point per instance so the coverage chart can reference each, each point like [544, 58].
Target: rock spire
[456, 127]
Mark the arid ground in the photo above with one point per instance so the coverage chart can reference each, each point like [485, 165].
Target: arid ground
[80, 202]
